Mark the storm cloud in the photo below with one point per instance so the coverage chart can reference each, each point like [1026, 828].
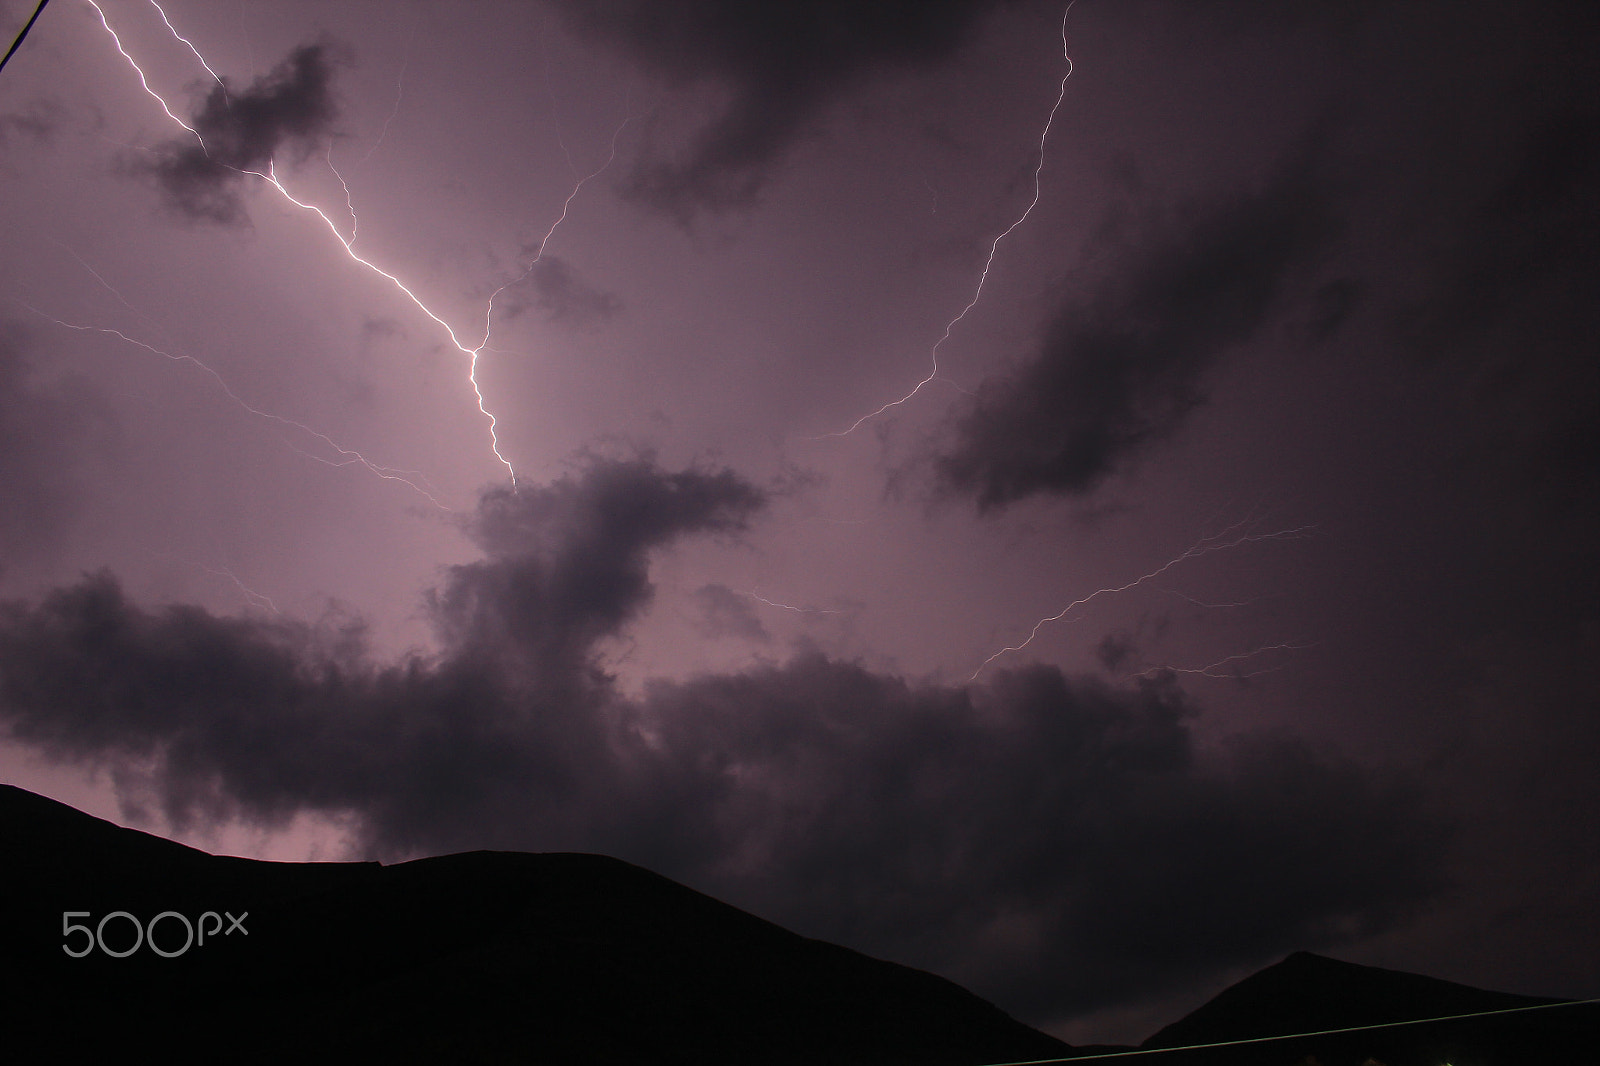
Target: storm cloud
[291, 107]
[779, 63]
[1119, 371]
[1023, 835]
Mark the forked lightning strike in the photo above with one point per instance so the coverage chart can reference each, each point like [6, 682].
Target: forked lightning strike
[270, 176]
[142, 80]
[1227, 539]
[994, 248]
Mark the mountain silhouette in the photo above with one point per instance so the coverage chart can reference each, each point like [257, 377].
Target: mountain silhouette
[1308, 993]
[500, 957]
[509, 957]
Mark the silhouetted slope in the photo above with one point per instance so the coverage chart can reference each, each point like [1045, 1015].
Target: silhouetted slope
[1310, 993]
[481, 957]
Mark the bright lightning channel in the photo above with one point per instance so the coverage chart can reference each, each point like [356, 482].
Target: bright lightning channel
[994, 249]
[1227, 539]
[143, 81]
[270, 176]
[215, 76]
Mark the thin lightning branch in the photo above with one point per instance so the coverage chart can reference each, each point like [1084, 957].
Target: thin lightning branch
[252, 597]
[787, 607]
[270, 176]
[1210, 669]
[994, 247]
[348, 455]
[355, 223]
[1227, 539]
[566, 206]
[399, 87]
[123, 300]
[196, 52]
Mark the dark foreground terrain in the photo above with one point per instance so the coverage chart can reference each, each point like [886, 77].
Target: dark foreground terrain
[507, 957]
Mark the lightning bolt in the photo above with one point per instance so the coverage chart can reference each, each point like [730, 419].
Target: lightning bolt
[1226, 540]
[399, 88]
[271, 178]
[1210, 669]
[348, 456]
[994, 249]
[215, 76]
[1215, 606]
[787, 607]
[251, 596]
[145, 82]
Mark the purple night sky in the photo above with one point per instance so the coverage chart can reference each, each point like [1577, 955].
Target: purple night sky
[1306, 307]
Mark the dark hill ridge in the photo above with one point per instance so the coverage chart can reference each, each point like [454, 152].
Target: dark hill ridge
[1308, 993]
[508, 957]
[479, 957]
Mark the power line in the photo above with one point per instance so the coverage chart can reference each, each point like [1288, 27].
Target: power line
[18, 42]
[1292, 1036]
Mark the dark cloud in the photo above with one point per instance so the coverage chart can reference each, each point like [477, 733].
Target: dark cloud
[1120, 370]
[1055, 841]
[780, 63]
[567, 564]
[1116, 650]
[291, 107]
[725, 613]
[561, 296]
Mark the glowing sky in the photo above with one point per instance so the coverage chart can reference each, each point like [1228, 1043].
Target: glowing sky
[1277, 392]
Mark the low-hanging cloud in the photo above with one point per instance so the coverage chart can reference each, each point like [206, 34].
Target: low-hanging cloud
[1121, 370]
[780, 63]
[291, 107]
[1056, 842]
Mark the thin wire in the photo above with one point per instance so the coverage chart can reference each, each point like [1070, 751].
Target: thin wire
[1292, 1036]
[18, 42]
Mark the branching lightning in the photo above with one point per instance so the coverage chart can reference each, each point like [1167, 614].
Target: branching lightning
[1235, 536]
[142, 80]
[251, 596]
[271, 178]
[994, 248]
[348, 456]
[215, 76]
[788, 607]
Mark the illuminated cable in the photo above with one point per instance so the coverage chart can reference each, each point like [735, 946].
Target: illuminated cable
[1293, 1036]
